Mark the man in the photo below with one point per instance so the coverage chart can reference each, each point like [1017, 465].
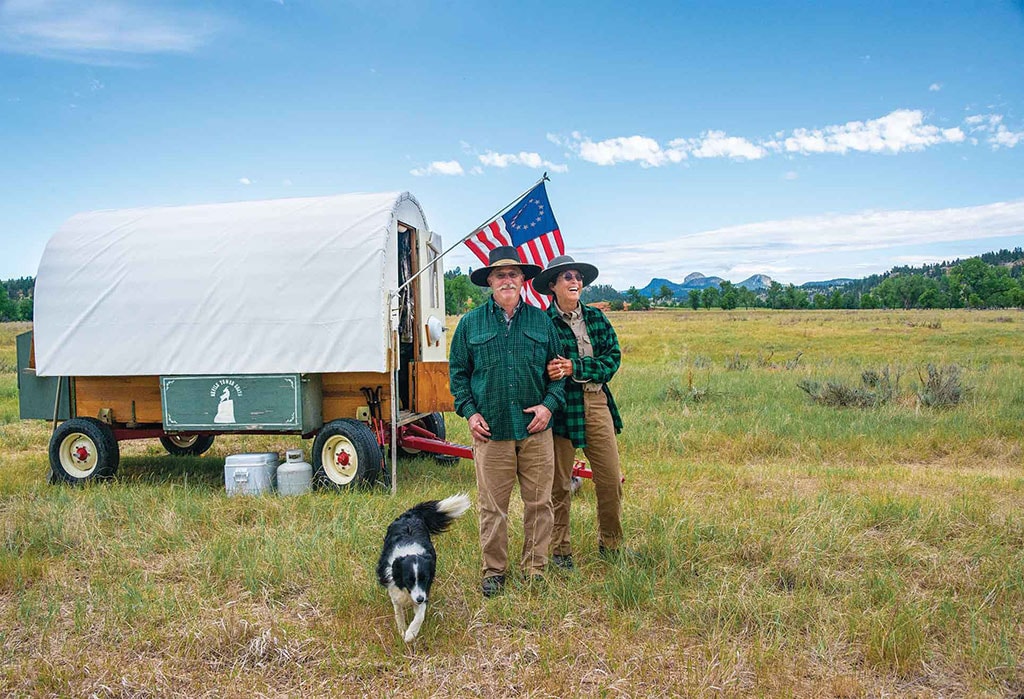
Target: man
[590, 419]
[497, 375]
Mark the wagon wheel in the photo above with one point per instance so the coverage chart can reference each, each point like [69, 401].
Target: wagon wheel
[187, 444]
[83, 449]
[434, 424]
[346, 454]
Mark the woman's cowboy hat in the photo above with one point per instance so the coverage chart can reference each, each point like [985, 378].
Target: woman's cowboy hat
[504, 256]
[561, 264]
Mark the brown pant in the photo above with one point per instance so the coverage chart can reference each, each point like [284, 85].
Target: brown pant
[603, 453]
[498, 465]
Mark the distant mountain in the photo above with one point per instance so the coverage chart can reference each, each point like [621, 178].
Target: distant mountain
[756, 282]
[697, 281]
[855, 292]
[654, 286]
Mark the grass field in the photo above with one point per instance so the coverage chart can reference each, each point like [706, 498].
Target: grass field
[786, 548]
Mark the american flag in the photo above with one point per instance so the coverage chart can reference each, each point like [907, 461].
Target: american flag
[529, 226]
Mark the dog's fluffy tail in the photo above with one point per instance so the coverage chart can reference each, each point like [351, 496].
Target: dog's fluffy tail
[439, 514]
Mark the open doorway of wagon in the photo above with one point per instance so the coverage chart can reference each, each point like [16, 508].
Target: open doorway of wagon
[423, 365]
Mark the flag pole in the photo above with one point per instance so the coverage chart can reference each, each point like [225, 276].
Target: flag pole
[544, 178]
[392, 299]
[502, 210]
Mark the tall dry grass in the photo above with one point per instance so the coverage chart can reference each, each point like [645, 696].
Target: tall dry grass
[785, 548]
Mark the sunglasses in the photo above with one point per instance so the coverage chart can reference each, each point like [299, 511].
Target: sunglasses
[571, 276]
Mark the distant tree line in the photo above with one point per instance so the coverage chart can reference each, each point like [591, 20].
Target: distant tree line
[991, 280]
[16, 299]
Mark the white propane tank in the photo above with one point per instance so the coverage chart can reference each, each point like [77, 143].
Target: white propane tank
[294, 476]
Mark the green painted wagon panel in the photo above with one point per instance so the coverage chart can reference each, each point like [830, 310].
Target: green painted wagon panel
[249, 402]
[36, 394]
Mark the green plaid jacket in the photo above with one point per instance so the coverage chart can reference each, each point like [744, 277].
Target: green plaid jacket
[498, 371]
[570, 422]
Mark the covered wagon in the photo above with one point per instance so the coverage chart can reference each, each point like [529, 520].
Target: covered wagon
[321, 317]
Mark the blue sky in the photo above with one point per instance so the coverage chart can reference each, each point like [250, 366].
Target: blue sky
[801, 140]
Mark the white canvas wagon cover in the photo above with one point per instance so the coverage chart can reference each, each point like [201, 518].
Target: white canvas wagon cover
[288, 285]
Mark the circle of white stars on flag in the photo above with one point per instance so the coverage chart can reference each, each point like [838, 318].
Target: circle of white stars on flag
[532, 224]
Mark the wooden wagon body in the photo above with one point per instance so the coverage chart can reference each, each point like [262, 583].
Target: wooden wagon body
[322, 317]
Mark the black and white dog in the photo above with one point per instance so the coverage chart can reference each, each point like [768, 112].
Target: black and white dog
[407, 561]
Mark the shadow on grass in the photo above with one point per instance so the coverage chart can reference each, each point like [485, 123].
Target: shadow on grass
[208, 472]
[196, 472]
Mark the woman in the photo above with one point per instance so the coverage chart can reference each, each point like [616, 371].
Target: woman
[590, 419]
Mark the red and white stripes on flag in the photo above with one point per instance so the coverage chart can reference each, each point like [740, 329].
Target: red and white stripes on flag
[537, 251]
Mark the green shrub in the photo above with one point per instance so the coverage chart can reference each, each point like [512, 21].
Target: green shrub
[943, 387]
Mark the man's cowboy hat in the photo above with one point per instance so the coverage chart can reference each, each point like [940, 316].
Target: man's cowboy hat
[504, 256]
[560, 264]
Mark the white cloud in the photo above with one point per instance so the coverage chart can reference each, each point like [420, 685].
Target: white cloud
[244, 180]
[1004, 138]
[934, 87]
[439, 167]
[791, 175]
[531, 160]
[715, 144]
[102, 31]
[493, 159]
[983, 122]
[901, 130]
[625, 149]
[999, 136]
[802, 249]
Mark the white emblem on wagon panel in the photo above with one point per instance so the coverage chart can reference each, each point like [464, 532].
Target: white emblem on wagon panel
[226, 406]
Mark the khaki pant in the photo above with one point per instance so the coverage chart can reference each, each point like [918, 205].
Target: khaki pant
[498, 465]
[602, 452]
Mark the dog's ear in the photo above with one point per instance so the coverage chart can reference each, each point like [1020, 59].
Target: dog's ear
[397, 577]
[430, 569]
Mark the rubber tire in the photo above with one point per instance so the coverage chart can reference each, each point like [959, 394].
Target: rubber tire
[95, 433]
[359, 442]
[200, 445]
[434, 424]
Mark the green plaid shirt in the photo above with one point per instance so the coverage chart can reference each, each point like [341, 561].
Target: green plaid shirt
[570, 422]
[498, 369]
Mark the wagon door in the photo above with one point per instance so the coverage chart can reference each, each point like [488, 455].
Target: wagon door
[424, 348]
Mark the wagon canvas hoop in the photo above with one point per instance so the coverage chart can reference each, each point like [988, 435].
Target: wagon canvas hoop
[213, 289]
